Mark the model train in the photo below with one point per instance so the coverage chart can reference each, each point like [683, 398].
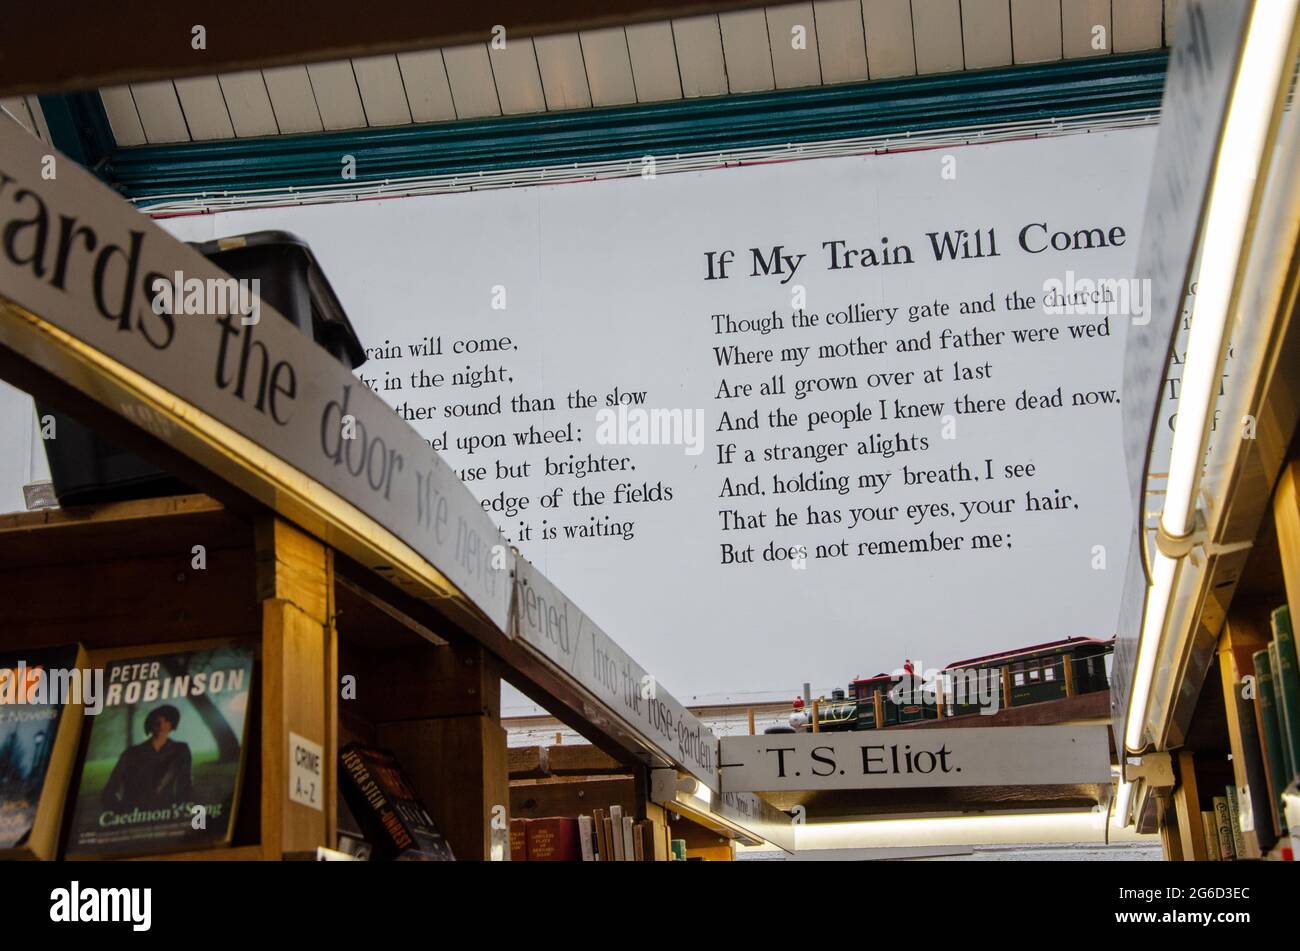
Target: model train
[1013, 678]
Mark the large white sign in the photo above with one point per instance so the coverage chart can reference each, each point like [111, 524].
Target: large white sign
[775, 424]
[893, 759]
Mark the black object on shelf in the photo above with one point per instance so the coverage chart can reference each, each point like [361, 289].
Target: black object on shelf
[87, 469]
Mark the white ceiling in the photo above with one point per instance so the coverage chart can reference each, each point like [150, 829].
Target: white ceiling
[749, 51]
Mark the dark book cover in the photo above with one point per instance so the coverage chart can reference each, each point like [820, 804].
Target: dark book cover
[39, 725]
[554, 839]
[164, 758]
[1286, 687]
[1270, 735]
[1260, 803]
[385, 804]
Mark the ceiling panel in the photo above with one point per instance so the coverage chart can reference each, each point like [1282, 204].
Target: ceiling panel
[519, 83]
[292, 99]
[1137, 24]
[1081, 20]
[699, 56]
[986, 33]
[731, 53]
[249, 103]
[1036, 30]
[841, 44]
[383, 96]
[564, 74]
[160, 112]
[891, 50]
[938, 36]
[337, 95]
[654, 62]
[609, 67]
[1172, 10]
[427, 91]
[123, 119]
[205, 108]
[794, 66]
[473, 89]
[746, 51]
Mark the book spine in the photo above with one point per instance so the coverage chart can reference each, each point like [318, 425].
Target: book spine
[1256, 805]
[616, 832]
[1270, 735]
[1234, 817]
[1211, 831]
[609, 839]
[584, 837]
[1223, 826]
[1286, 686]
[602, 846]
[629, 839]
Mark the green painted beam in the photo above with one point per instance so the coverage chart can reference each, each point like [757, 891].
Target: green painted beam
[891, 107]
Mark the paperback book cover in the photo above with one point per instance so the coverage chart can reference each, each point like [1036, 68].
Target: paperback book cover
[40, 723]
[164, 758]
[386, 805]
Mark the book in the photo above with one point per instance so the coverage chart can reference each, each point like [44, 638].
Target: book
[638, 838]
[616, 821]
[385, 803]
[1223, 828]
[602, 847]
[519, 840]
[1255, 803]
[608, 823]
[1234, 818]
[1286, 687]
[40, 723]
[554, 839]
[1270, 734]
[629, 839]
[584, 839]
[164, 758]
[1211, 829]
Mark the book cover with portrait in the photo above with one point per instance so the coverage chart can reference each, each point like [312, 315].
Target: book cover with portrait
[164, 758]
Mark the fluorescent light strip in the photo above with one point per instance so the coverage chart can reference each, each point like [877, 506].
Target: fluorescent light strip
[1013, 829]
[1268, 39]
[1163, 571]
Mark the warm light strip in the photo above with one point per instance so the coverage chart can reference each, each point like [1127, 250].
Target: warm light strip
[1163, 571]
[1227, 221]
[1013, 829]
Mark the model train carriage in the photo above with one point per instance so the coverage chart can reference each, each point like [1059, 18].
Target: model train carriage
[1029, 675]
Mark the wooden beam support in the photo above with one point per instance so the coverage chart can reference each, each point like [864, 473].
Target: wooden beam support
[1286, 516]
[1187, 802]
[458, 764]
[111, 45]
[299, 681]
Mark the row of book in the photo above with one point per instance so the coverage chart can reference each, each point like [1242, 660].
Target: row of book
[603, 836]
[1224, 840]
[142, 752]
[1274, 755]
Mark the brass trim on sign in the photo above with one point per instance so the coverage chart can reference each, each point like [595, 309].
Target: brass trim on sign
[226, 452]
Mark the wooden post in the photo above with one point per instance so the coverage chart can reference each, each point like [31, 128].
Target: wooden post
[457, 762]
[1069, 674]
[938, 697]
[749, 715]
[1187, 801]
[816, 717]
[1006, 688]
[1286, 516]
[879, 699]
[1241, 637]
[295, 583]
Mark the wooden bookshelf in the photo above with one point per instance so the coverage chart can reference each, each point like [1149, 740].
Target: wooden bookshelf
[422, 688]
